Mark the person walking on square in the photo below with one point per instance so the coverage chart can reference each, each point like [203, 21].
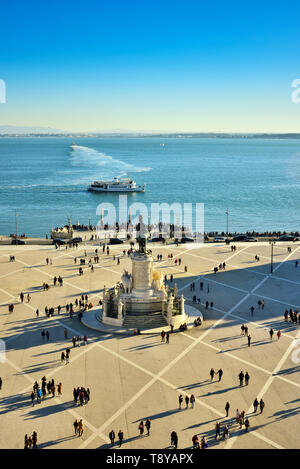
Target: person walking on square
[247, 377]
[218, 427]
[80, 428]
[141, 427]
[163, 336]
[261, 406]
[47, 335]
[203, 443]
[249, 340]
[195, 441]
[174, 439]
[187, 400]
[67, 355]
[121, 437]
[212, 374]
[252, 310]
[220, 373]
[75, 425]
[271, 332]
[34, 440]
[241, 378]
[247, 424]
[192, 400]
[278, 335]
[112, 437]
[148, 425]
[225, 433]
[167, 337]
[180, 399]
[227, 407]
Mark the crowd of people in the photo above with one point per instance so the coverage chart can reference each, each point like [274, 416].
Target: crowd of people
[81, 395]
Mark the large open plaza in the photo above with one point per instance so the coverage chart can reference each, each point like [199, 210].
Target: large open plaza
[135, 377]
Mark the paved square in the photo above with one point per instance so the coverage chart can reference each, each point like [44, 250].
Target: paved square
[138, 377]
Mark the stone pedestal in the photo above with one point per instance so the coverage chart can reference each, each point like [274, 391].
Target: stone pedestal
[141, 275]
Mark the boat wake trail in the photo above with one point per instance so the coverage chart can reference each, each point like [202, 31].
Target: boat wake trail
[91, 159]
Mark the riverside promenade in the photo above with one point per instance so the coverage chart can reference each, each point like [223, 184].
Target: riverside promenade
[132, 378]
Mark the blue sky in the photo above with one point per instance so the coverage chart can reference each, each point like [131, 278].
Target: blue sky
[151, 65]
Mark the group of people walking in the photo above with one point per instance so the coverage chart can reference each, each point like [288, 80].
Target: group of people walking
[81, 395]
[30, 442]
[39, 393]
[188, 400]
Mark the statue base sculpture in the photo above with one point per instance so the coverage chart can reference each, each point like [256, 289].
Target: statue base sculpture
[141, 298]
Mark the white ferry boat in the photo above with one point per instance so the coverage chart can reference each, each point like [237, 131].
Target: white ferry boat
[116, 185]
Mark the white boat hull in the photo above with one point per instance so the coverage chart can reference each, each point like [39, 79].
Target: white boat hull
[110, 189]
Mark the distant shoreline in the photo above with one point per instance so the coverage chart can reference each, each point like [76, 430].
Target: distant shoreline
[154, 135]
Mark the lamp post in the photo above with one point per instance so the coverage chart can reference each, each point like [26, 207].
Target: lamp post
[227, 214]
[272, 242]
[16, 216]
